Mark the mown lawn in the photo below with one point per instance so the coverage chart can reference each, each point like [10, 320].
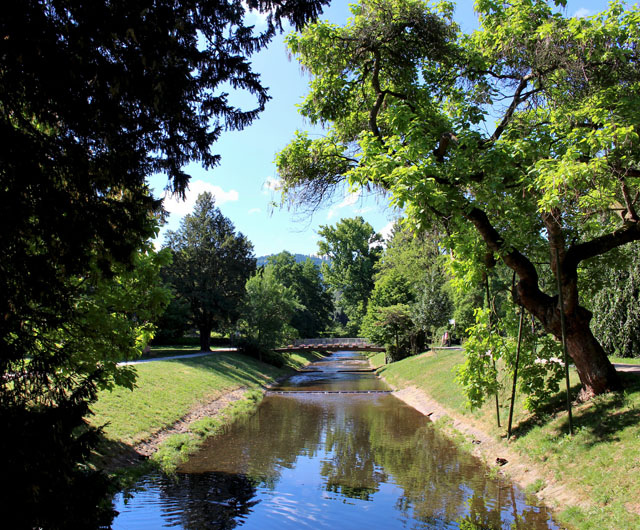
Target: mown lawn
[167, 390]
[601, 462]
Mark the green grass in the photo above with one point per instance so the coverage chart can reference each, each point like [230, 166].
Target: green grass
[625, 360]
[601, 463]
[167, 390]
[376, 359]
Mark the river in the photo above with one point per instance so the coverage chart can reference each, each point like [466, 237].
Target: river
[330, 449]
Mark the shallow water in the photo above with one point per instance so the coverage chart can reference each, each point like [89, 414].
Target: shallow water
[330, 460]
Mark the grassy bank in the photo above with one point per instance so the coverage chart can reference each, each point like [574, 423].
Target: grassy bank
[167, 390]
[600, 464]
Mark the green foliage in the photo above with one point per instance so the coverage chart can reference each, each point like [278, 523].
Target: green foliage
[392, 326]
[388, 319]
[510, 179]
[616, 307]
[267, 311]
[433, 307]
[316, 305]
[115, 319]
[211, 264]
[353, 248]
[174, 322]
[491, 348]
[96, 97]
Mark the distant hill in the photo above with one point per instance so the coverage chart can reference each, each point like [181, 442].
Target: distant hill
[262, 260]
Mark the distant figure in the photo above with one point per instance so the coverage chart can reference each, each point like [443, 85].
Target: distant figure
[446, 341]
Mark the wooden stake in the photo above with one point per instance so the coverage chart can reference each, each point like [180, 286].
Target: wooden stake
[515, 374]
[492, 358]
[564, 341]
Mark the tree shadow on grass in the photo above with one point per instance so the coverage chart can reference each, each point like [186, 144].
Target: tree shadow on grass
[603, 417]
[234, 367]
[608, 415]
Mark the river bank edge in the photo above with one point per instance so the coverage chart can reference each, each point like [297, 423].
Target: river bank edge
[495, 454]
[165, 449]
[427, 383]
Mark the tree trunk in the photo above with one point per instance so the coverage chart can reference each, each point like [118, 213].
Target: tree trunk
[205, 338]
[596, 372]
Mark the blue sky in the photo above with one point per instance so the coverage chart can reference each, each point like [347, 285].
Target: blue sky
[243, 182]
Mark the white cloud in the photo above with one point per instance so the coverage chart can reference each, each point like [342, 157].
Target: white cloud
[349, 200]
[582, 13]
[254, 210]
[176, 206]
[362, 211]
[385, 231]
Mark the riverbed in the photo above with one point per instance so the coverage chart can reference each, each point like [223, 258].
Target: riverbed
[331, 448]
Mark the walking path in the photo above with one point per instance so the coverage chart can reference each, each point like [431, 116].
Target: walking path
[620, 367]
[184, 356]
[633, 368]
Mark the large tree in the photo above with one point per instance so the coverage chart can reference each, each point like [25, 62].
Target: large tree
[353, 248]
[267, 311]
[211, 264]
[96, 96]
[520, 140]
[314, 312]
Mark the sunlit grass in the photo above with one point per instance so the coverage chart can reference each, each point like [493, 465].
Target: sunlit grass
[167, 390]
[600, 463]
[625, 360]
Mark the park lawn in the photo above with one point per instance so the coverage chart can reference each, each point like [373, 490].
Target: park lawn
[601, 463]
[624, 360]
[167, 390]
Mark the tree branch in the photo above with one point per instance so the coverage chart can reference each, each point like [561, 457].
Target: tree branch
[628, 201]
[517, 99]
[375, 81]
[629, 232]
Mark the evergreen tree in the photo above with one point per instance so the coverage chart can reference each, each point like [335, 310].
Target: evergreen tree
[210, 267]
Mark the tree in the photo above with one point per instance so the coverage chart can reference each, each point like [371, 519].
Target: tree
[410, 103]
[267, 311]
[316, 304]
[433, 307]
[96, 96]
[387, 319]
[174, 322]
[392, 326]
[616, 306]
[353, 248]
[210, 267]
[419, 259]
[49, 439]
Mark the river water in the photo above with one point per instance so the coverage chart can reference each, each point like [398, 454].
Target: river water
[330, 449]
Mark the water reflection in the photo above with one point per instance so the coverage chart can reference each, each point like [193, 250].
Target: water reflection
[331, 460]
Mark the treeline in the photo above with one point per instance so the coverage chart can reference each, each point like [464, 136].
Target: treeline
[412, 293]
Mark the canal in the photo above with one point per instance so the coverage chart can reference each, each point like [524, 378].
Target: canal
[330, 448]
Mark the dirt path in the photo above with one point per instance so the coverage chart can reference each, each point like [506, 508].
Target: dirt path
[631, 368]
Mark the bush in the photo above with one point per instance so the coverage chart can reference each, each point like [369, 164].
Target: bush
[251, 348]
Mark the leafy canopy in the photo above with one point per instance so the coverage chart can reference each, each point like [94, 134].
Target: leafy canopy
[518, 140]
